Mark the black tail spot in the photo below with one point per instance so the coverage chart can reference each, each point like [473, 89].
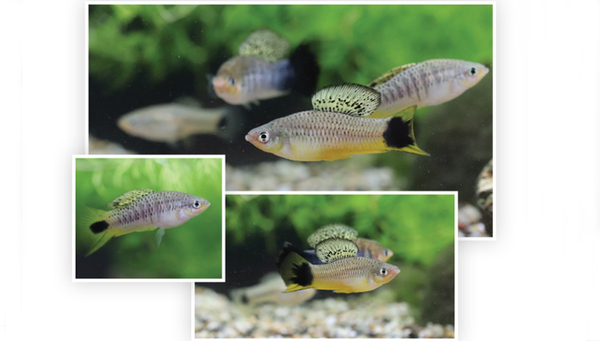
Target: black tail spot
[99, 226]
[245, 299]
[397, 134]
[222, 123]
[303, 275]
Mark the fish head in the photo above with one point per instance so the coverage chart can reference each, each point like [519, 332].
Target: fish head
[472, 73]
[228, 83]
[194, 206]
[383, 273]
[266, 138]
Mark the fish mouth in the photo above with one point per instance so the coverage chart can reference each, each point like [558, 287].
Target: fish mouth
[247, 137]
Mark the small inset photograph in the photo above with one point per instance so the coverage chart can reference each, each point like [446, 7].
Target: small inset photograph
[141, 218]
[335, 265]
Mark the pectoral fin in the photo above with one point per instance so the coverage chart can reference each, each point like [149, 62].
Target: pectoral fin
[159, 235]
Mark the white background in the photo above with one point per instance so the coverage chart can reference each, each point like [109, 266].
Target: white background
[538, 281]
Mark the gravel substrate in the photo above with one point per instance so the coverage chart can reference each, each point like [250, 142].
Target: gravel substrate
[355, 173]
[346, 316]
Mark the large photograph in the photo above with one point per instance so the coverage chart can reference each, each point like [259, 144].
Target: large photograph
[304, 97]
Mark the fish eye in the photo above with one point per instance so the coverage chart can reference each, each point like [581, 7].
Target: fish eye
[196, 204]
[231, 81]
[473, 71]
[263, 136]
[383, 272]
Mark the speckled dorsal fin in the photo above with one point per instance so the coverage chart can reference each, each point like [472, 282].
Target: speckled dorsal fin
[127, 198]
[333, 249]
[265, 44]
[332, 231]
[388, 75]
[350, 99]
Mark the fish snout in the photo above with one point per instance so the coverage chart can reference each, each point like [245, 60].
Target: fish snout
[220, 85]
[394, 270]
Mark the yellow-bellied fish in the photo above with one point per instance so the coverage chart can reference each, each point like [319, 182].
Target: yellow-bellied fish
[270, 290]
[334, 129]
[136, 211]
[343, 273]
[172, 122]
[261, 72]
[431, 82]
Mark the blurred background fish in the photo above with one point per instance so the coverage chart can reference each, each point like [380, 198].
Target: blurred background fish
[270, 290]
[173, 122]
[260, 71]
[431, 82]
[334, 129]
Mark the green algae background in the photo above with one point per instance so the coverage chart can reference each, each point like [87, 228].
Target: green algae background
[192, 250]
[354, 43]
[419, 229]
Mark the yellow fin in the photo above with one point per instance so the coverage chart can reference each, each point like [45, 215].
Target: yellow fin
[332, 231]
[400, 134]
[390, 74]
[92, 228]
[335, 248]
[350, 99]
[265, 44]
[126, 199]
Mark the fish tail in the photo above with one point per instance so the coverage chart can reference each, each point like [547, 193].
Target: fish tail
[306, 70]
[295, 271]
[231, 123]
[400, 134]
[93, 227]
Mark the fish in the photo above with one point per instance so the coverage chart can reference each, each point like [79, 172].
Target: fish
[331, 231]
[366, 248]
[260, 71]
[335, 128]
[270, 290]
[136, 211]
[428, 83]
[172, 122]
[345, 275]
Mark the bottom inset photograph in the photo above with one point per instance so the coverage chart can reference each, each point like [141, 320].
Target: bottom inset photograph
[342, 264]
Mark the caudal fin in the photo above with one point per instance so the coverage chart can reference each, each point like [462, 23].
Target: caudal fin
[400, 133]
[306, 70]
[92, 228]
[296, 272]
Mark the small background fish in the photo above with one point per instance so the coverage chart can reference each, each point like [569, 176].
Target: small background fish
[173, 122]
[260, 71]
[427, 83]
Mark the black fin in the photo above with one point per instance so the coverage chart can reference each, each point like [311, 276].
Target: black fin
[285, 251]
[99, 226]
[306, 70]
[400, 133]
[397, 134]
[302, 274]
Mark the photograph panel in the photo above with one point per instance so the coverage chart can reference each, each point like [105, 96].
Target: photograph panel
[174, 203]
[413, 99]
[360, 264]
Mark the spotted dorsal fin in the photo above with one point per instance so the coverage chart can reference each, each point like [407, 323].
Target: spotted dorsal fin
[388, 75]
[126, 199]
[333, 249]
[265, 44]
[350, 99]
[332, 231]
